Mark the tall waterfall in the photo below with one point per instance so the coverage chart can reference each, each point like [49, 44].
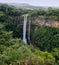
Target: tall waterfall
[24, 29]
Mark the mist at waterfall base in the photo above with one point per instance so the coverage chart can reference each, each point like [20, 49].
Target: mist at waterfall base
[24, 29]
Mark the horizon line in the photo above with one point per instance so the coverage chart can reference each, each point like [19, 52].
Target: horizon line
[28, 4]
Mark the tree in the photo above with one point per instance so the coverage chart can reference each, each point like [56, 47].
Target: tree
[46, 38]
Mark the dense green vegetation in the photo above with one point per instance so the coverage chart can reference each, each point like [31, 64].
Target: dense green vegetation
[14, 52]
[45, 40]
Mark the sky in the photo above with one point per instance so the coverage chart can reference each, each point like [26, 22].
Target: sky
[54, 3]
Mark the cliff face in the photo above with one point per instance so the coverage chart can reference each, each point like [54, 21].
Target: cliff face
[42, 21]
[56, 24]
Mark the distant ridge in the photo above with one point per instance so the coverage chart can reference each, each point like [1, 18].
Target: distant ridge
[25, 5]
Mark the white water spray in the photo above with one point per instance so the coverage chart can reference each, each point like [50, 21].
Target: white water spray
[24, 29]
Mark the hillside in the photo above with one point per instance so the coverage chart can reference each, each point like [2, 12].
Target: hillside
[26, 6]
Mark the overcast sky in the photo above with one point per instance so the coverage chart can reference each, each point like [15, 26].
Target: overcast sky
[34, 2]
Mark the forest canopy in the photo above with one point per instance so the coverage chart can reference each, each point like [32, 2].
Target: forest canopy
[44, 48]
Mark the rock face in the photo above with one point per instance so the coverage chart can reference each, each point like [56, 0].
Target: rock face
[56, 24]
[42, 21]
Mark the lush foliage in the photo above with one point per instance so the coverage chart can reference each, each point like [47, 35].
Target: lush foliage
[47, 39]
[44, 39]
[13, 52]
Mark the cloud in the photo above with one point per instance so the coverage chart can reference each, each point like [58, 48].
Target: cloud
[34, 2]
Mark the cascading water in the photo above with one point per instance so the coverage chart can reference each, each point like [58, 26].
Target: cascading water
[24, 29]
[28, 37]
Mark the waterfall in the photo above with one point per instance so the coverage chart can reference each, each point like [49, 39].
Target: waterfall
[29, 41]
[24, 29]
